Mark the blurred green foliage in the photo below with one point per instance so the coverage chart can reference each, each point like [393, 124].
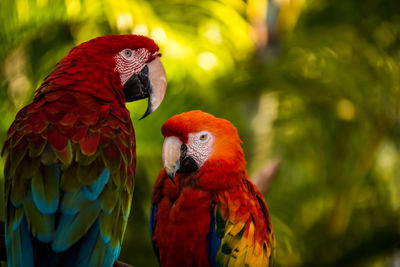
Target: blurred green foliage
[313, 83]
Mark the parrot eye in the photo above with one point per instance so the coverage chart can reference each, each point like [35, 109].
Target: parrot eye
[127, 53]
[203, 137]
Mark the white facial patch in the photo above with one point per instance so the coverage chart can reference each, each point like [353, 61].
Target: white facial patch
[129, 62]
[200, 146]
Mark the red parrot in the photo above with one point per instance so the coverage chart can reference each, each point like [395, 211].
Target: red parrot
[71, 154]
[205, 210]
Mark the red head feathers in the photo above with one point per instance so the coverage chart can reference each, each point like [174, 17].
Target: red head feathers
[212, 144]
[114, 68]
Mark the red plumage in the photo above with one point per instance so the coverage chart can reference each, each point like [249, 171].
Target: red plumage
[54, 122]
[218, 197]
[71, 156]
[183, 218]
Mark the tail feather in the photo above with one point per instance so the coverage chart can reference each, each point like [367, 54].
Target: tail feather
[87, 246]
[20, 240]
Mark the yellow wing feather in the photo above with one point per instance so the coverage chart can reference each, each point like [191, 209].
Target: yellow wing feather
[247, 238]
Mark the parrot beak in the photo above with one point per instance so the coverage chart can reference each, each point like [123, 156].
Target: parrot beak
[171, 156]
[176, 159]
[151, 82]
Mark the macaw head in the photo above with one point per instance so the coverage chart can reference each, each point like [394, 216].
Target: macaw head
[196, 141]
[123, 67]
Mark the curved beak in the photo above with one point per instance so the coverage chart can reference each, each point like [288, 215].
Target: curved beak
[176, 158]
[150, 83]
[171, 154]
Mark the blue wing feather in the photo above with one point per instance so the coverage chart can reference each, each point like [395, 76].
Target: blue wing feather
[42, 184]
[213, 242]
[95, 252]
[152, 227]
[88, 245]
[63, 227]
[71, 227]
[93, 190]
[152, 220]
[20, 241]
[15, 220]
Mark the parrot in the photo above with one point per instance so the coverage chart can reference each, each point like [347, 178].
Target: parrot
[205, 210]
[71, 154]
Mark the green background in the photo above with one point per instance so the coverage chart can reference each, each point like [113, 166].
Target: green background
[314, 84]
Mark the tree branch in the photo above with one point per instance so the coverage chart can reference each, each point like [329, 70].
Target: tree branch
[264, 177]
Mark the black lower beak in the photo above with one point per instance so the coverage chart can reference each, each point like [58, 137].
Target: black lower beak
[139, 87]
[187, 163]
[171, 177]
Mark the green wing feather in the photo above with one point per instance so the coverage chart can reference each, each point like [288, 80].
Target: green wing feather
[69, 180]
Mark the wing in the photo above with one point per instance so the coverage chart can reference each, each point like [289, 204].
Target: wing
[69, 181]
[152, 220]
[152, 226]
[240, 229]
[156, 197]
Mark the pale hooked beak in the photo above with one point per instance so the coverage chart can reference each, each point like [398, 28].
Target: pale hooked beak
[151, 82]
[171, 156]
[158, 85]
[177, 158]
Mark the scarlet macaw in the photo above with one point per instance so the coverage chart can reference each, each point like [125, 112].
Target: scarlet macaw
[71, 154]
[205, 210]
